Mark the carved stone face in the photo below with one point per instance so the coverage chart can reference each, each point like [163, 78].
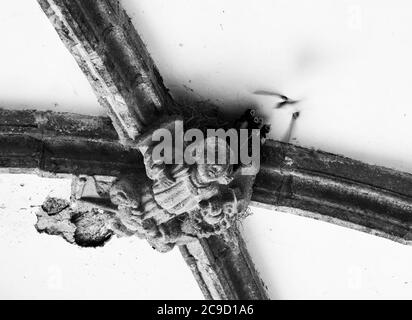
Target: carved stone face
[208, 173]
[125, 192]
[229, 209]
[214, 172]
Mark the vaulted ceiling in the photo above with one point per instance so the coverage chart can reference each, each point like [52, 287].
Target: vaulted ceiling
[349, 66]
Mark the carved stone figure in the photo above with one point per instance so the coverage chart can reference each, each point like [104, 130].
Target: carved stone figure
[172, 204]
[183, 202]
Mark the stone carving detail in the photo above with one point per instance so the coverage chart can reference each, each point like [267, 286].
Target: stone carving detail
[172, 204]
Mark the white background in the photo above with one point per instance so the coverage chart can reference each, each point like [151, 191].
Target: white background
[39, 266]
[347, 61]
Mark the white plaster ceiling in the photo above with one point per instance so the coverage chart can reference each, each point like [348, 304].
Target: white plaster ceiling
[349, 64]
[36, 70]
[40, 266]
[347, 61]
[302, 258]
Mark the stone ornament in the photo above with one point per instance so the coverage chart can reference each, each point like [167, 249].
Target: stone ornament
[173, 204]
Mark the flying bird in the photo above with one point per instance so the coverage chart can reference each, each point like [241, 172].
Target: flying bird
[284, 99]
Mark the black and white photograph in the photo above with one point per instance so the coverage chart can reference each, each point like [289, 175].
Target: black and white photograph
[205, 150]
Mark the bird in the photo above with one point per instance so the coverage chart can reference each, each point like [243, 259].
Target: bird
[284, 99]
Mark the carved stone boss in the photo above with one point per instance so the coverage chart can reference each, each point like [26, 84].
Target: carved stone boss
[173, 204]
